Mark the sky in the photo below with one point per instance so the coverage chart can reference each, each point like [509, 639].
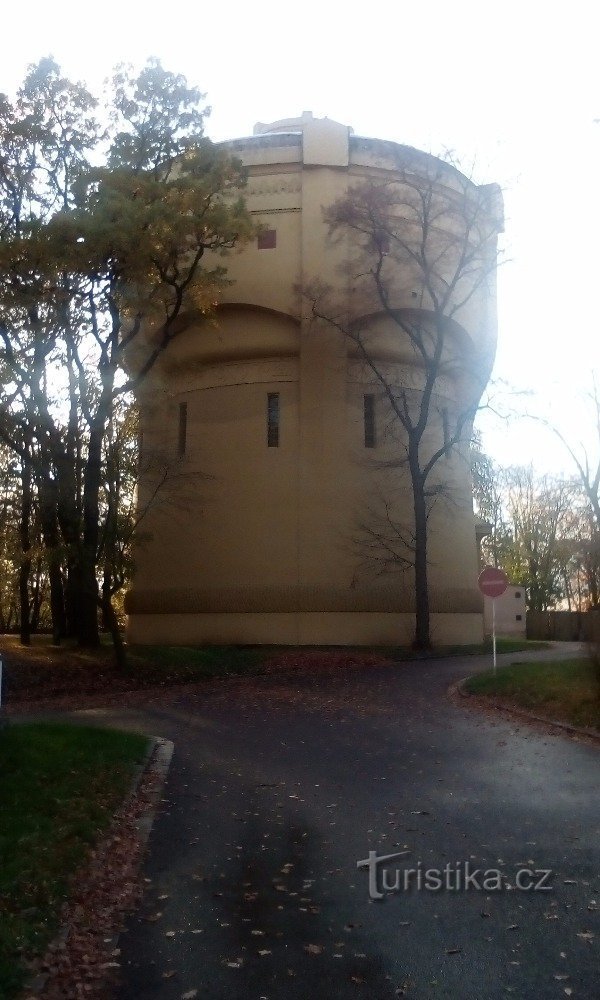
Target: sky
[510, 88]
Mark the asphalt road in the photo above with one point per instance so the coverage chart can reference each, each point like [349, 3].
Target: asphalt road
[277, 788]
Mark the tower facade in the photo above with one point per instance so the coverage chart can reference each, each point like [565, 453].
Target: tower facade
[268, 452]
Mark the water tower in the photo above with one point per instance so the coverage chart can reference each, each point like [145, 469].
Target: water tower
[274, 439]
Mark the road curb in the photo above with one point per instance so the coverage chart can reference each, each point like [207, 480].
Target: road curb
[459, 688]
[158, 758]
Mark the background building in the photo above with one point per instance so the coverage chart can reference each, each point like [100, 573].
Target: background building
[275, 443]
[511, 613]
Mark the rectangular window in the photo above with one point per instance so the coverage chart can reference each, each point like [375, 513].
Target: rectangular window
[380, 242]
[267, 240]
[369, 421]
[182, 435]
[273, 420]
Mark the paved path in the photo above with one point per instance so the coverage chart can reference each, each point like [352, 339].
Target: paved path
[278, 787]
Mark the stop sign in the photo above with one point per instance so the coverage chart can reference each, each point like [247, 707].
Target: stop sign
[492, 582]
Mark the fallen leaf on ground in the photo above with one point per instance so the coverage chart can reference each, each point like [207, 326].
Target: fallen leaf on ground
[585, 935]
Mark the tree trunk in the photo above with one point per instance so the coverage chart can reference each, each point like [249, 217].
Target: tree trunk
[422, 638]
[69, 519]
[25, 538]
[36, 602]
[111, 623]
[51, 538]
[72, 593]
[57, 601]
[25, 625]
[87, 625]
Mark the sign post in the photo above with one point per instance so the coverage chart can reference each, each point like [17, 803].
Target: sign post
[493, 582]
[2, 720]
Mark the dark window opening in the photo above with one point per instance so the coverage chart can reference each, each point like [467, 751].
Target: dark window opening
[517, 593]
[273, 420]
[380, 242]
[182, 435]
[519, 618]
[267, 240]
[369, 421]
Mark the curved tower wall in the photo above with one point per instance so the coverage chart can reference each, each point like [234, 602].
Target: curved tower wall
[243, 542]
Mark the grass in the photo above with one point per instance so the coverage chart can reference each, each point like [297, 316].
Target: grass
[46, 671]
[59, 787]
[565, 690]
[515, 645]
[502, 646]
[213, 661]
[43, 670]
[152, 664]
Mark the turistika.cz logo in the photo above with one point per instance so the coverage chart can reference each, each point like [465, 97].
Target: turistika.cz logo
[457, 876]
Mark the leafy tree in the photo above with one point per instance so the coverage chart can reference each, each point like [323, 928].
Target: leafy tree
[10, 553]
[106, 238]
[23, 571]
[582, 569]
[490, 505]
[538, 512]
[541, 531]
[587, 466]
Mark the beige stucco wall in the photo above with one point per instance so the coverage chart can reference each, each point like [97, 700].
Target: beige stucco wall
[245, 543]
[316, 628]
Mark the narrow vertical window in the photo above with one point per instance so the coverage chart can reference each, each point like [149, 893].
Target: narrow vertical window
[369, 420]
[380, 242]
[182, 435]
[273, 420]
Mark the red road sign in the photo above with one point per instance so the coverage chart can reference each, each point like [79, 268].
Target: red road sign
[492, 582]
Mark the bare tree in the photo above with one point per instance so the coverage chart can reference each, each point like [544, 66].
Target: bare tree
[421, 271]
